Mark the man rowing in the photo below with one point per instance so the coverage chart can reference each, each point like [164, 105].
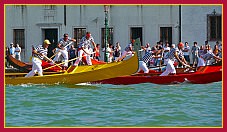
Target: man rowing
[207, 55]
[38, 55]
[171, 56]
[147, 58]
[64, 43]
[83, 48]
[128, 51]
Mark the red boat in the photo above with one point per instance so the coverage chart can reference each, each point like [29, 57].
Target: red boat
[26, 67]
[203, 75]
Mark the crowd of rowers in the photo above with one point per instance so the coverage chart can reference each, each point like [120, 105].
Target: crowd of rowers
[160, 54]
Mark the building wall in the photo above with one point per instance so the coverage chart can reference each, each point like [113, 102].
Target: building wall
[121, 18]
[194, 23]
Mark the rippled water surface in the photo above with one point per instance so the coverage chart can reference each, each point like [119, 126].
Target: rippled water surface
[140, 105]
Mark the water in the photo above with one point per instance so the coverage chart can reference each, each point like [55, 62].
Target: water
[140, 105]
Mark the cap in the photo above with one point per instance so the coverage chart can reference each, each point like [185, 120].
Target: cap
[88, 35]
[11, 43]
[180, 44]
[46, 41]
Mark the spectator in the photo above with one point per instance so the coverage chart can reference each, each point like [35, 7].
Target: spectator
[97, 52]
[72, 54]
[186, 52]
[18, 52]
[117, 51]
[195, 54]
[12, 50]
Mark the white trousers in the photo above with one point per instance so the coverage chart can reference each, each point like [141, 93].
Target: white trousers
[80, 55]
[169, 68]
[201, 62]
[64, 53]
[143, 66]
[36, 67]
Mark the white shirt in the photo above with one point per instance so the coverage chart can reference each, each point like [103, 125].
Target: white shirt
[186, 52]
[18, 49]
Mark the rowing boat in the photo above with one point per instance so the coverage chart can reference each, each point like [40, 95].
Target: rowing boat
[81, 74]
[26, 66]
[203, 75]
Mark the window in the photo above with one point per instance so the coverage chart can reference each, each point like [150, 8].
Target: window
[214, 27]
[49, 7]
[49, 13]
[19, 37]
[166, 34]
[136, 32]
[78, 34]
[109, 37]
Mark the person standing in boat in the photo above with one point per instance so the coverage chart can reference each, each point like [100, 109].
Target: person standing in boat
[147, 58]
[169, 58]
[204, 58]
[64, 42]
[56, 51]
[128, 50]
[38, 55]
[147, 49]
[83, 48]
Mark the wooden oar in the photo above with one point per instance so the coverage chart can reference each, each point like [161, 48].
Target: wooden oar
[51, 61]
[59, 50]
[66, 61]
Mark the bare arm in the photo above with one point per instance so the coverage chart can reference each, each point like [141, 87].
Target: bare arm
[183, 62]
[94, 44]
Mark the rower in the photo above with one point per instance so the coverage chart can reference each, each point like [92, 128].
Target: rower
[64, 43]
[207, 55]
[169, 59]
[38, 55]
[147, 58]
[128, 51]
[83, 47]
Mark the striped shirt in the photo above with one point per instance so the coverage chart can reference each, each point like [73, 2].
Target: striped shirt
[171, 56]
[64, 43]
[40, 49]
[209, 55]
[147, 57]
[85, 43]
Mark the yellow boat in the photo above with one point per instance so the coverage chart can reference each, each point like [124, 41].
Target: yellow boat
[81, 74]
